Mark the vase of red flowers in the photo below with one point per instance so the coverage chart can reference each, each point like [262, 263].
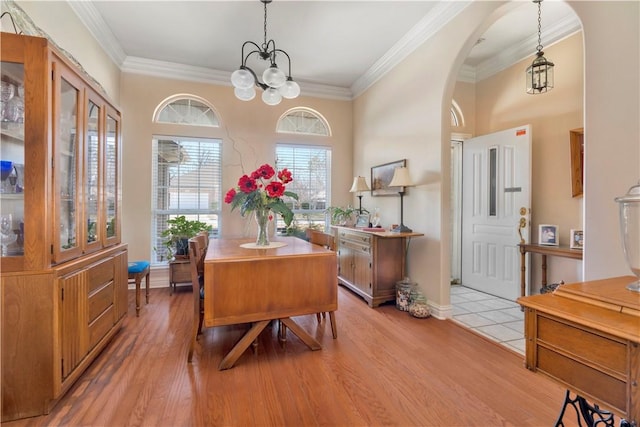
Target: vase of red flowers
[261, 192]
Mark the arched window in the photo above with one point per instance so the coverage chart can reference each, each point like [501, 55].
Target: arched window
[457, 119]
[187, 171]
[186, 110]
[303, 121]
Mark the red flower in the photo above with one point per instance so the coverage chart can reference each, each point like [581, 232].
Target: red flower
[275, 189]
[285, 176]
[246, 184]
[230, 195]
[265, 171]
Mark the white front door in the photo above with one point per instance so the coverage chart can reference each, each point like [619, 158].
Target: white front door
[496, 181]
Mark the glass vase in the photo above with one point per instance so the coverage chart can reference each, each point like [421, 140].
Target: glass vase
[263, 217]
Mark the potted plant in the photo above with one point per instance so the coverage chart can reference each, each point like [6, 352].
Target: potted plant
[178, 233]
[341, 216]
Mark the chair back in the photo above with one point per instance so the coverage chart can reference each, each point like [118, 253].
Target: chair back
[195, 259]
[203, 244]
[319, 238]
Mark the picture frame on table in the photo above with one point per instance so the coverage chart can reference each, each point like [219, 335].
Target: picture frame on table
[577, 239]
[548, 235]
[362, 220]
[382, 175]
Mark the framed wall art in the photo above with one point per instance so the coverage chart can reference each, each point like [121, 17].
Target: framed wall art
[548, 235]
[382, 175]
[577, 239]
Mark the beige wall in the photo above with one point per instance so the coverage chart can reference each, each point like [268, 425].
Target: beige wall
[249, 139]
[406, 115]
[413, 121]
[502, 103]
[62, 25]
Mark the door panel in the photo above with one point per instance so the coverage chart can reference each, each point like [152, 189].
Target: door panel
[496, 185]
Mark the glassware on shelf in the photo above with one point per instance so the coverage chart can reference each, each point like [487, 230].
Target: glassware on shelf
[7, 235]
[7, 90]
[629, 205]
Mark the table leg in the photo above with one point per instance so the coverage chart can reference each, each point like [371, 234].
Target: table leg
[523, 268]
[544, 270]
[334, 326]
[242, 345]
[301, 333]
[592, 415]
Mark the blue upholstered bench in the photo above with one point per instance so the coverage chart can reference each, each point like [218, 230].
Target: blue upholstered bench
[138, 270]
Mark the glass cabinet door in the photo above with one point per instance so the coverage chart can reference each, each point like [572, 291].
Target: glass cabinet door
[66, 154]
[112, 185]
[12, 156]
[92, 176]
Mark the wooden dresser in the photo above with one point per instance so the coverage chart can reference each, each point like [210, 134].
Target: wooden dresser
[586, 336]
[370, 263]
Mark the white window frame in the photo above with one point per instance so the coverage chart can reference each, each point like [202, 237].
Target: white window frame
[209, 191]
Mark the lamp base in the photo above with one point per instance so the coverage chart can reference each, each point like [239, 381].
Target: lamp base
[402, 229]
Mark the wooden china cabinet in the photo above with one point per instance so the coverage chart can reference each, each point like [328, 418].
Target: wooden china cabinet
[63, 268]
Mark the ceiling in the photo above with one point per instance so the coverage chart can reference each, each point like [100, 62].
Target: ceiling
[337, 48]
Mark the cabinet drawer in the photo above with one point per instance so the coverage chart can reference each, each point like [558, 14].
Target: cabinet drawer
[359, 247]
[589, 381]
[99, 327]
[594, 348]
[101, 273]
[100, 300]
[360, 238]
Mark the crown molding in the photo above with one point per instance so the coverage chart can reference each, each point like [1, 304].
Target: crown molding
[526, 48]
[437, 18]
[172, 70]
[467, 74]
[94, 22]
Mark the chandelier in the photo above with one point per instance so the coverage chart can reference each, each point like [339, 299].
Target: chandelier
[540, 72]
[276, 84]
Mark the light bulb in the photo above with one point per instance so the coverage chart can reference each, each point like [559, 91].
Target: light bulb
[273, 76]
[271, 96]
[242, 79]
[245, 94]
[290, 89]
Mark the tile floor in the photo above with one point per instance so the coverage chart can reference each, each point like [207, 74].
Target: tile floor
[496, 318]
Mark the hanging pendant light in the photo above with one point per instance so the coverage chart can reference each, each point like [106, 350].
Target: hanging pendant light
[540, 72]
[277, 84]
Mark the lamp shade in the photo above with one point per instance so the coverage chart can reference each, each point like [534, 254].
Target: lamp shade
[401, 178]
[359, 184]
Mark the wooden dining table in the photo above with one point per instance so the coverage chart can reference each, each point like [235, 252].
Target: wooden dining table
[256, 286]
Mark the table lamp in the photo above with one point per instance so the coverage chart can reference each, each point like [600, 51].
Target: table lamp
[401, 179]
[359, 185]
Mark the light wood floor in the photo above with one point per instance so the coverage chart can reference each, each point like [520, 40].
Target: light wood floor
[385, 368]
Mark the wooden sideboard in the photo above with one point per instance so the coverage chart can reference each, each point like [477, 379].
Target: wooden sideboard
[370, 263]
[544, 250]
[586, 336]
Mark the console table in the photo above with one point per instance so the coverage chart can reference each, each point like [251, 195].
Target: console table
[371, 262]
[544, 250]
[586, 337]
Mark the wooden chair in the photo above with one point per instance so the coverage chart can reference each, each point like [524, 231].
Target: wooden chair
[328, 241]
[196, 262]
